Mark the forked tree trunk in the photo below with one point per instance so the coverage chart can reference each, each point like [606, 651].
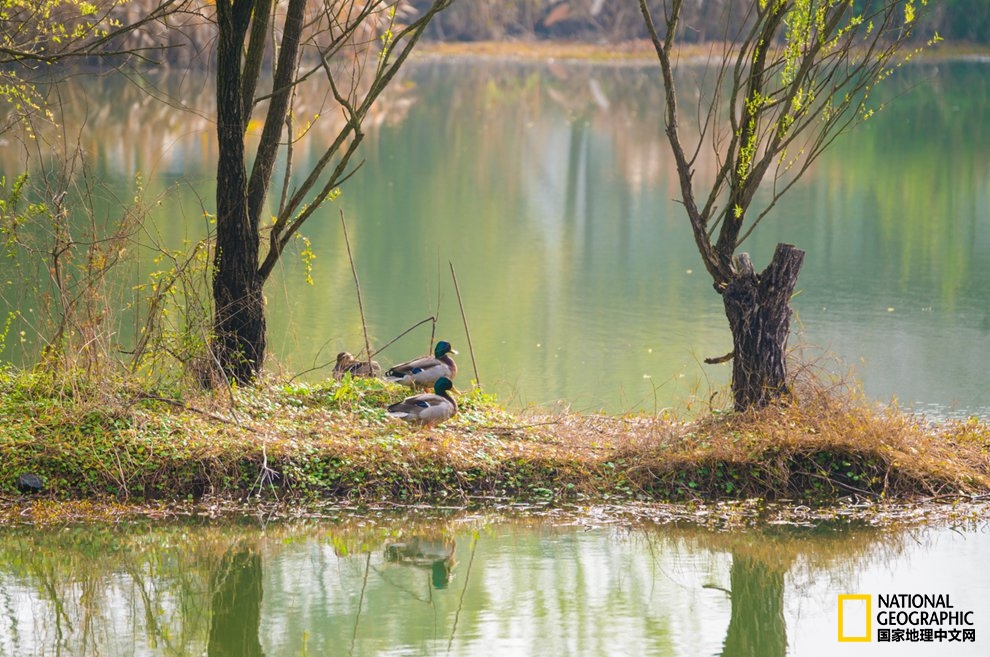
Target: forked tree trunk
[239, 307]
[238, 343]
[759, 313]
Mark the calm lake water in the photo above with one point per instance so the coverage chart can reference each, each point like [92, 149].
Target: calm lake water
[549, 188]
[588, 582]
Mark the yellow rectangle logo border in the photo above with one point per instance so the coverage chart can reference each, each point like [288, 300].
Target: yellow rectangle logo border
[865, 597]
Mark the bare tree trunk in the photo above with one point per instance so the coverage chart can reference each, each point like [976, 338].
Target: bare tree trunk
[239, 320]
[759, 313]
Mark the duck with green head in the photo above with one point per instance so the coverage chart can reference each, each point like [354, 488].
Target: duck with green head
[426, 370]
[427, 409]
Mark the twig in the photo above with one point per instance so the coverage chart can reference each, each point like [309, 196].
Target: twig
[436, 313]
[955, 496]
[716, 587]
[357, 286]
[431, 318]
[266, 474]
[187, 407]
[460, 602]
[516, 427]
[290, 140]
[720, 359]
[467, 331]
[357, 619]
[386, 346]
[836, 482]
[123, 479]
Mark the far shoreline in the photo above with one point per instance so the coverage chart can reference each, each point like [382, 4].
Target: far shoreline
[635, 52]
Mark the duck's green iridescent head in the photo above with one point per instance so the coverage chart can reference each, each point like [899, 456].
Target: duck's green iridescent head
[442, 385]
[442, 349]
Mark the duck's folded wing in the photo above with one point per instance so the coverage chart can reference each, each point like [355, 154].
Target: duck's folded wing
[413, 366]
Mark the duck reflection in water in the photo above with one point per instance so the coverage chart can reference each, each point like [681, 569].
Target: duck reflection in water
[435, 553]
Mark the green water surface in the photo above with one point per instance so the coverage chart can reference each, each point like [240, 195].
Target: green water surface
[549, 188]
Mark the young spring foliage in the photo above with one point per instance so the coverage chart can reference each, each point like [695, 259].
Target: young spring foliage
[794, 75]
[789, 78]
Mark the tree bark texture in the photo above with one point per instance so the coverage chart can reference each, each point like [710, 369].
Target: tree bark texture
[759, 313]
[239, 320]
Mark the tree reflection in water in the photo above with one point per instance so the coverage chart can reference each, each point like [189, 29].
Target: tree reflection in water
[236, 608]
[756, 625]
[383, 583]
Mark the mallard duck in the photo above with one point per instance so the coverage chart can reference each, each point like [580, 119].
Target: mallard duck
[427, 409]
[346, 363]
[425, 371]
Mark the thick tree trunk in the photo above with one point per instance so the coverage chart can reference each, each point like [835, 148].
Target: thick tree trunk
[239, 312]
[759, 313]
[239, 321]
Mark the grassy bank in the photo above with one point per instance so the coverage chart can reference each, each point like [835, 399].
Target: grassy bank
[334, 440]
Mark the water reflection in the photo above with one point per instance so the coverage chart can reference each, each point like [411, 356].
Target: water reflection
[435, 553]
[235, 612]
[756, 624]
[376, 585]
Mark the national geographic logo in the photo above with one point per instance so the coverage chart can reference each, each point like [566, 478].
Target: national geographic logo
[904, 617]
[854, 617]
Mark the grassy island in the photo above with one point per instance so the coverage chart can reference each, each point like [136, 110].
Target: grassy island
[333, 440]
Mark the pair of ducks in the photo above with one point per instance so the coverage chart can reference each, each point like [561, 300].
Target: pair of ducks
[426, 409]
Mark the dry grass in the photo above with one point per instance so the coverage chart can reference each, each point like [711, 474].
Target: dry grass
[825, 445]
[334, 440]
